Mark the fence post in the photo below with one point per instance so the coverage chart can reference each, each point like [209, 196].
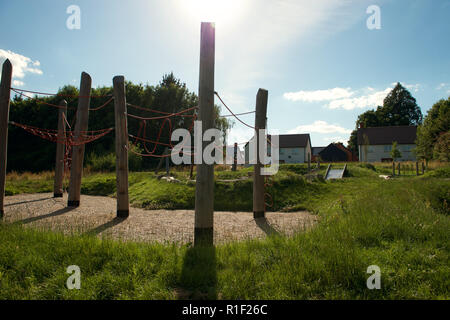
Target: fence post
[398, 168]
[309, 162]
[233, 168]
[417, 168]
[258, 179]
[5, 94]
[81, 125]
[393, 168]
[204, 189]
[120, 111]
[60, 146]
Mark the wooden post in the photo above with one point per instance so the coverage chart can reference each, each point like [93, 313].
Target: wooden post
[258, 180]
[5, 94]
[233, 168]
[393, 168]
[204, 190]
[59, 165]
[423, 167]
[166, 158]
[417, 168]
[398, 168]
[81, 125]
[120, 111]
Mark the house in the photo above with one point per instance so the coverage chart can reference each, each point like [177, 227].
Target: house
[336, 152]
[375, 144]
[293, 148]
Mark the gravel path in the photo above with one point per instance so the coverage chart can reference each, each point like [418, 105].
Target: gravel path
[96, 215]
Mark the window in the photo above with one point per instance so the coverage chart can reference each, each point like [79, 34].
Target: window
[387, 148]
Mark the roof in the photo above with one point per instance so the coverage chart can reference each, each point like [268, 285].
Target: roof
[294, 140]
[387, 135]
[315, 150]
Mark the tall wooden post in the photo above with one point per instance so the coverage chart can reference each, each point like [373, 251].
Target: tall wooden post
[258, 179]
[59, 164]
[417, 168]
[120, 108]
[399, 168]
[5, 95]
[204, 190]
[81, 125]
[393, 168]
[233, 168]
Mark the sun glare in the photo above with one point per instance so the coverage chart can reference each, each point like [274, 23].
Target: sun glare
[218, 11]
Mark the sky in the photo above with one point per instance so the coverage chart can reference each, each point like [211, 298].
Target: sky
[323, 62]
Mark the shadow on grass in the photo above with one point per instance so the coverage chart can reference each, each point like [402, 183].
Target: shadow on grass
[29, 201]
[198, 280]
[49, 215]
[265, 226]
[106, 226]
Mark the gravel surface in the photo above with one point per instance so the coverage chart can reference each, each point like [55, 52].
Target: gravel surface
[97, 215]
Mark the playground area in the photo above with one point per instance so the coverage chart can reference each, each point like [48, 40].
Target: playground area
[96, 215]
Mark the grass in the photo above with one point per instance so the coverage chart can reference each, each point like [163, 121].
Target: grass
[400, 224]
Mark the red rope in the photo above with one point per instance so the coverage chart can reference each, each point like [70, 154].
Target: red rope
[69, 139]
[59, 94]
[163, 117]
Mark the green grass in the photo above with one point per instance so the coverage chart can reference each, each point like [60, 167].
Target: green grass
[400, 224]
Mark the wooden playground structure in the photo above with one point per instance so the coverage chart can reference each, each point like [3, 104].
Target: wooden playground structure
[76, 139]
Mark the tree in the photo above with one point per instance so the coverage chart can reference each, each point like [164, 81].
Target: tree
[435, 124]
[441, 150]
[29, 153]
[399, 109]
[395, 153]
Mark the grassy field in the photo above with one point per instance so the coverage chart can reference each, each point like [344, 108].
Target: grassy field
[402, 225]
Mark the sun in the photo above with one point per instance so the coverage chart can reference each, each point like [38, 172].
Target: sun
[218, 11]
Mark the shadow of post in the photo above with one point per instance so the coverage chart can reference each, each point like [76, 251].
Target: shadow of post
[28, 201]
[106, 226]
[265, 226]
[198, 280]
[48, 215]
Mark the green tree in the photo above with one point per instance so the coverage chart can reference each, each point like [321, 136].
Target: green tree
[399, 109]
[441, 150]
[395, 152]
[435, 124]
[29, 153]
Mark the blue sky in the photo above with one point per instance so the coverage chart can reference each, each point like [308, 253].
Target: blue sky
[319, 61]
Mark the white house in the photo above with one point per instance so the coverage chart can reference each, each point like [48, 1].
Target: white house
[375, 144]
[293, 148]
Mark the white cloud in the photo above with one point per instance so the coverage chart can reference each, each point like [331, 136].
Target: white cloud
[18, 83]
[319, 95]
[320, 126]
[412, 87]
[21, 65]
[442, 86]
[329, 140]
[371, 100]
